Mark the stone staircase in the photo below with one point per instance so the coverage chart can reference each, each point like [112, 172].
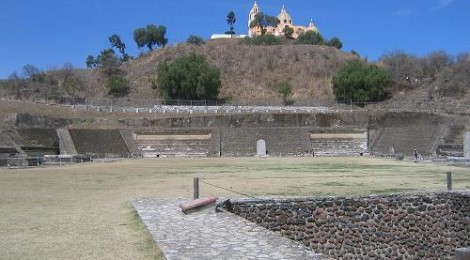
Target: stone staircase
[404, 139]
[8, 145]
[128, 137]
[401, 133]
[10, 148]
[99, 142]
[66, 144]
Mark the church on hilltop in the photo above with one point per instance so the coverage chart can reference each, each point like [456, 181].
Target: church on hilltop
[284, 21]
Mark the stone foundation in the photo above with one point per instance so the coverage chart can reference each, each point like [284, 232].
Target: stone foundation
[427, 226]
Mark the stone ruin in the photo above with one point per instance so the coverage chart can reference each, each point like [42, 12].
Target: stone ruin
[261, 148]
[429, 226]
[320, 133]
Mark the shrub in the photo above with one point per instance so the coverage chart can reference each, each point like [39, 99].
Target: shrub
[360, 82]
[188, 77]
[310, 37]
[192, 39]
[118, 86]
[285, 90]
[335, 42]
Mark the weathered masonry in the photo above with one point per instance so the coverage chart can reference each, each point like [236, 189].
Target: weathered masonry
[425, 226]
[285, 134]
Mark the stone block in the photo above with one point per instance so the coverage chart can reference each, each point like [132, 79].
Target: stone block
[198, 204]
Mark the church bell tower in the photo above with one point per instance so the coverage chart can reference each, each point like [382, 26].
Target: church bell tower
[254, 10]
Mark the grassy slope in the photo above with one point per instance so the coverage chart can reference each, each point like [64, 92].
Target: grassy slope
[251, 73]
[248, 73]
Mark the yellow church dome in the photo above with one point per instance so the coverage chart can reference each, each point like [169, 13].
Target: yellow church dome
[284, 17]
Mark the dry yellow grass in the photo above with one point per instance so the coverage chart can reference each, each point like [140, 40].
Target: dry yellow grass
[83, 212]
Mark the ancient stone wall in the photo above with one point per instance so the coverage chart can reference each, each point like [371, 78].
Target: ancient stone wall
[318, 119]
[348, 142]
[280, 141]
[429, 226]
[404, 132]
[174, 142]
[100, 142]
[287, 134]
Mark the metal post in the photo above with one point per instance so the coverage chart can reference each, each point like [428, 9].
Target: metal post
[449, 181]
[196, 188]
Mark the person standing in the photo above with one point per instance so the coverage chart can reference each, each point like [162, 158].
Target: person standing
[415, 154]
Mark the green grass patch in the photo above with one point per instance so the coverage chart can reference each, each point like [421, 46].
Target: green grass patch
[146, 244]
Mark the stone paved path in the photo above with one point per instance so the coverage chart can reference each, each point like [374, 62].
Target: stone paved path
[209, 235]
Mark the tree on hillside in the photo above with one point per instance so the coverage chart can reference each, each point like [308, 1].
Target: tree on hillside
[435, 62]
[231, 19]
[335, 42]
[139, 37]
[288, 31]
[13, 76]
[188, 77]
[116, 42]
[404, 69]
[30, 71]
[262, 21]
[357, 81]
[155, 35]
[108, 61]
[454, 79]
[150, 36]
[68, 80]
[196, 40]
[90, 61]
[310, 37]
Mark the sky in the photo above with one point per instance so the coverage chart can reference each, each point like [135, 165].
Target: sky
[51, 33]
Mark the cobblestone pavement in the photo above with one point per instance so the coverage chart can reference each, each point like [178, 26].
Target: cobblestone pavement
[209, 235]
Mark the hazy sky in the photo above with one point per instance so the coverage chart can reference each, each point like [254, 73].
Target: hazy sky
[49, 33]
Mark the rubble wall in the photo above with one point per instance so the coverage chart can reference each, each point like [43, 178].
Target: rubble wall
[429, 226]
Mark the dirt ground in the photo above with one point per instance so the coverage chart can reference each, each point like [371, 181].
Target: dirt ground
[83, 211]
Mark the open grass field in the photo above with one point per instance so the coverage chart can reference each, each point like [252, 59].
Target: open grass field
[83, 211]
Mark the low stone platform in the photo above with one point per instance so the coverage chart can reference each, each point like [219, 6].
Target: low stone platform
[210, 235]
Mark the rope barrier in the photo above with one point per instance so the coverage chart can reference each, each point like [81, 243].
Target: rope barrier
[364, 230]
[230, 190]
